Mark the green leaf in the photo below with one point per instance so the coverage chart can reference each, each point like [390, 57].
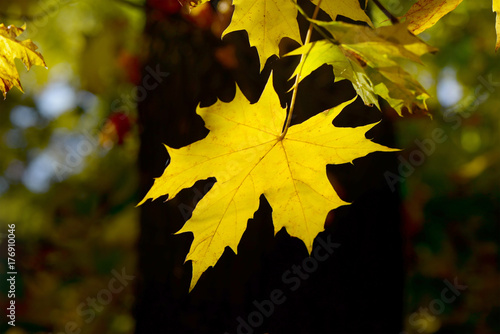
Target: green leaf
[371, 60]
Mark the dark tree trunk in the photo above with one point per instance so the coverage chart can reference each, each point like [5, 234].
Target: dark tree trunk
[357, 289]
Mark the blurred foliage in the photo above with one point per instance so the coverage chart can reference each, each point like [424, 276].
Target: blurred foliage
[68, 166]
[451, 201]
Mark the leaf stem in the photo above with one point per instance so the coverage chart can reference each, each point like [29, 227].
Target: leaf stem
[297, 78]
[394, 19]
[315, 26]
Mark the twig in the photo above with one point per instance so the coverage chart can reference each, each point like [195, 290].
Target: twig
[298, 77]
[315, 26]
[394, 19]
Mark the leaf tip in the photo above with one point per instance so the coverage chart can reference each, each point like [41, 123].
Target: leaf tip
[335, 111]
[142, 201]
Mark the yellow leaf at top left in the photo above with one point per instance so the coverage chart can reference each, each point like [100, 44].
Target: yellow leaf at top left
[11, 48]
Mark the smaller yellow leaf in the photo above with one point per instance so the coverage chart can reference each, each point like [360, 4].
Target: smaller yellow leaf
[496, 8]
[11, 48]
[266, 22]
[347, 8]
[425, 13]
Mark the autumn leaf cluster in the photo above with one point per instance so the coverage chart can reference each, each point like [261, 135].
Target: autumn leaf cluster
[251, 149]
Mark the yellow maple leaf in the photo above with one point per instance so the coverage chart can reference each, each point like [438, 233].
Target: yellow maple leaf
[347, 8]
[267, 22]
[11, 48]
[496, 8]
[244, 151]
[425, 13]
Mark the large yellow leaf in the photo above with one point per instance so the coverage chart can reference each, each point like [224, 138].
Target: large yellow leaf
[425, 13]
[11, 48]
[245, 154]
[371, 60]
[268, 21]
[496, 8]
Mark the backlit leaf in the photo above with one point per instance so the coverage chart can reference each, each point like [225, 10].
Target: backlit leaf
[267, 22]
[425, 13]
[496, 8]
[245, 154]
[11, 48]
[371, 60]
[347, 8]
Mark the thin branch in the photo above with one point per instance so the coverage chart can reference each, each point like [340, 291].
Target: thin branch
[315, 26]
[394, 19]
[298, 77]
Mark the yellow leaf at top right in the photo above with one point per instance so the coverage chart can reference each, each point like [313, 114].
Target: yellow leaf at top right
[496, 8]
[425, 13]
